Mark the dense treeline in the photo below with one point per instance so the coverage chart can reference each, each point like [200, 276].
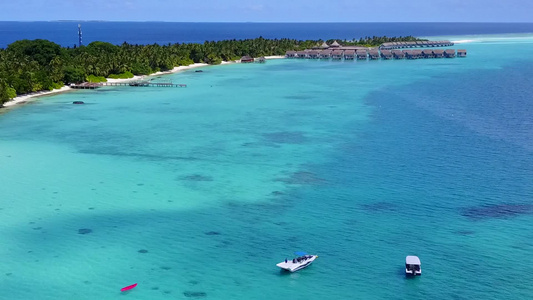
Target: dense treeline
[34, 65]
[377, 40]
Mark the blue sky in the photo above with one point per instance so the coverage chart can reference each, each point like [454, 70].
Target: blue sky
[270, 11]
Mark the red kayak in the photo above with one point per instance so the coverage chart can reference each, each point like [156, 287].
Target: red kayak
[129, 287]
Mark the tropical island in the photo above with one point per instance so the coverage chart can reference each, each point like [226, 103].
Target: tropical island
[28, 66]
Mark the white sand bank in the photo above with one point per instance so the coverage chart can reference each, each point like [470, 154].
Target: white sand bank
[31, 96]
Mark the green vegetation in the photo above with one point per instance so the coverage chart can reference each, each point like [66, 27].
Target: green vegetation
[124, 75]
[93, 78]
[35, 65]
[376, 41]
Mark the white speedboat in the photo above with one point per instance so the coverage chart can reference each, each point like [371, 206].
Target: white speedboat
[412, 265]
[297, 263]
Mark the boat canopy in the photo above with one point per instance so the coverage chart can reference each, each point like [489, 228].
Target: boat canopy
[412, 260]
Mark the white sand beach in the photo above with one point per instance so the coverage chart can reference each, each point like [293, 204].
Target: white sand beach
[29, 97]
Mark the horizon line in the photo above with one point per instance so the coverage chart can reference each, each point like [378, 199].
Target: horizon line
[263, 22]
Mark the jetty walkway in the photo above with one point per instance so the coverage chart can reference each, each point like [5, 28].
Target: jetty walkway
[89, 85]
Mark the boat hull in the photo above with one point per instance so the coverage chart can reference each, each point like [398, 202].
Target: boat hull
[296, 266]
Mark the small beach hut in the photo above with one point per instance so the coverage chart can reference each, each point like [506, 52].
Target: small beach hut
[324, 46]
[335, 44]
[461, 53]
[247, 59]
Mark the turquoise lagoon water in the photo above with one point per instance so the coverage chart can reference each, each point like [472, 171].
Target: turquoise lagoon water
[199, 192]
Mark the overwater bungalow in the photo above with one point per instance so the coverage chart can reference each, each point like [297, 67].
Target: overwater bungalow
[290, 54]
[398, 54]
[449, 53]
[261, 60]
[386, 54]
[301, 54]
[247, 59]
[408, 54]
[438, 53]
[373, 54]
[313, 54]
[461, 53]
[337, 54]
[361, 54]
[325, 54]
[349, 54]
[427, 53]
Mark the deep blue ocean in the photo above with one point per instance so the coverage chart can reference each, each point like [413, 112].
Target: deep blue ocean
[66, 33]
[197, 193]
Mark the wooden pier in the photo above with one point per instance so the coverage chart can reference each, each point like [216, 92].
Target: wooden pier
[86, 85]
[417, 44]
[145, 84]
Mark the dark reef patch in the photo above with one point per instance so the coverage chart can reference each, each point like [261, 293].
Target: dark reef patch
[277, 193]
[302, 177]
[195, 294]
[166, 268]
[155, 288]
[300, 97]
[143, 251]
[464, 232]
[37, 228]
[286, 137]
[196, 177]
[380, 206]
[85, 231]
[499, 211]
[212, 233]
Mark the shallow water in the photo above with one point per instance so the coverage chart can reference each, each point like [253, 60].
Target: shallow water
[199, 192]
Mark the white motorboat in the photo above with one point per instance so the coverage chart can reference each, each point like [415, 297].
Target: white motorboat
[412, 265]
[297, 263]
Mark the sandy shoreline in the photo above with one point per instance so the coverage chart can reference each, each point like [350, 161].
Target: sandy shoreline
[29, 97]
[32, 96]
